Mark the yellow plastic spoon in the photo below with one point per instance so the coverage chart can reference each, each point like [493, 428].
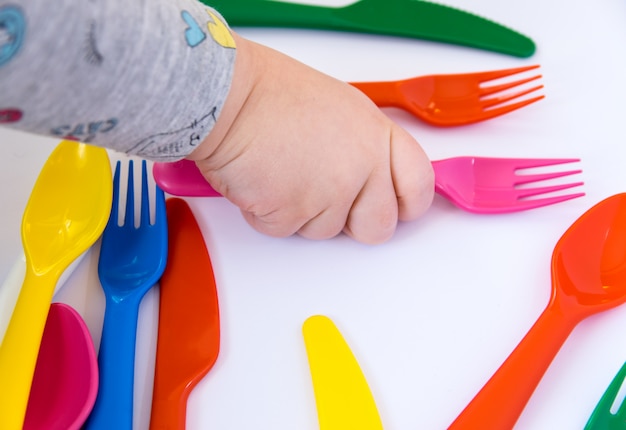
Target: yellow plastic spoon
[343, 398]
[66, 213]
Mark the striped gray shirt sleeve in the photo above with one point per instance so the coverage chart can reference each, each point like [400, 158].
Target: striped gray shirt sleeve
[143, 77]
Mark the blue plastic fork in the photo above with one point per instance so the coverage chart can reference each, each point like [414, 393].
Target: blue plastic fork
[602, 417]
[132, 260]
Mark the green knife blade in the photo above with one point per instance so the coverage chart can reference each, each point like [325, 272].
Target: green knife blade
[405, 18]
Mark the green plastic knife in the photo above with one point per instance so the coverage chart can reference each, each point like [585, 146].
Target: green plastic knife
[407, 18]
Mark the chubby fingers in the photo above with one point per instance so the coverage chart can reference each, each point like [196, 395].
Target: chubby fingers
[374, 214]
[404, 192]
[412, 175]
[315, 217]
[401, 187]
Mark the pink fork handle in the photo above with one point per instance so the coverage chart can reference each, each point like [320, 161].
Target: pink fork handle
[502, 399]
[182, 178]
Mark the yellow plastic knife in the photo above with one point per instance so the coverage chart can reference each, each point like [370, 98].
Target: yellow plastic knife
[343, 398]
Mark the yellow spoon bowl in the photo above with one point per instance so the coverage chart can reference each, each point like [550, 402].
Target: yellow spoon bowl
[66, 213]
[342, 395]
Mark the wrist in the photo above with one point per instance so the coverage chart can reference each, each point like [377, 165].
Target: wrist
[242, 83]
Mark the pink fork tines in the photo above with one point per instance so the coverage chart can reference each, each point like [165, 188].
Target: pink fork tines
[476, 184]
[494, 185]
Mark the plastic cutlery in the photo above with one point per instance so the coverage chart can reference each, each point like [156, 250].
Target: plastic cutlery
[494, 185]
[65, 383]
[10, 288]
[182, 178]
[588, 277]
[9, 291]
[65, 214]
[408, 18]
[342, 395]
[476, 184]
[454, 99]
[132, 260]
[603, 417]
[189, 326]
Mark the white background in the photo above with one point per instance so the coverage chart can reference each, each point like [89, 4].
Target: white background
[431, 314]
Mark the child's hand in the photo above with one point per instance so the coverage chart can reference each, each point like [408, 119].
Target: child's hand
[301, 152]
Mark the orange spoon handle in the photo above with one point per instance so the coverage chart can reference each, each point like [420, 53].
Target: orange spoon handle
[383, 94]
[502, 399]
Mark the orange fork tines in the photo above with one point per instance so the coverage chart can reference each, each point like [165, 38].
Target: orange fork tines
[455, 99]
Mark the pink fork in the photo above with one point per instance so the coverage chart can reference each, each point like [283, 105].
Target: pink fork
[492, 185]
[475, 184]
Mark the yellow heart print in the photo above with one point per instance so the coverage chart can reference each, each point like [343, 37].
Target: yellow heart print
[220, 32]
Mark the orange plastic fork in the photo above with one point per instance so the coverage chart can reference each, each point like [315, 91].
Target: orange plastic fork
[456, 99]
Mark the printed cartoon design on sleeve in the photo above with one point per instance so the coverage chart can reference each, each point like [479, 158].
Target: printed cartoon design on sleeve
[84, 132]
[220, 32]
[172, 143]
[193, 33]
[92, 53]
[12, 29]
[216, 27]
[10, 115]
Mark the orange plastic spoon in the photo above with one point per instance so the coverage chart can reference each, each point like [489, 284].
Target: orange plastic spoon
[189, 328]
[588, 276]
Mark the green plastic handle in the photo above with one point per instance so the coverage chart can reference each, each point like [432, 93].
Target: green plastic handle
[405, 18]
[262, 13]
[601, 417]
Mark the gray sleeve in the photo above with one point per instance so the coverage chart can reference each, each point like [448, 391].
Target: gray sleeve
[143, 77]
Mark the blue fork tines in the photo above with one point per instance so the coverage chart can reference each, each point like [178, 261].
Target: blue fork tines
[132, 260]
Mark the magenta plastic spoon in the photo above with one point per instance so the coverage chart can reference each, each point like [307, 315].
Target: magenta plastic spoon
[65, 382]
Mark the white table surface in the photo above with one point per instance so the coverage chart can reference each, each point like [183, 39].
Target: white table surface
[431, 314]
